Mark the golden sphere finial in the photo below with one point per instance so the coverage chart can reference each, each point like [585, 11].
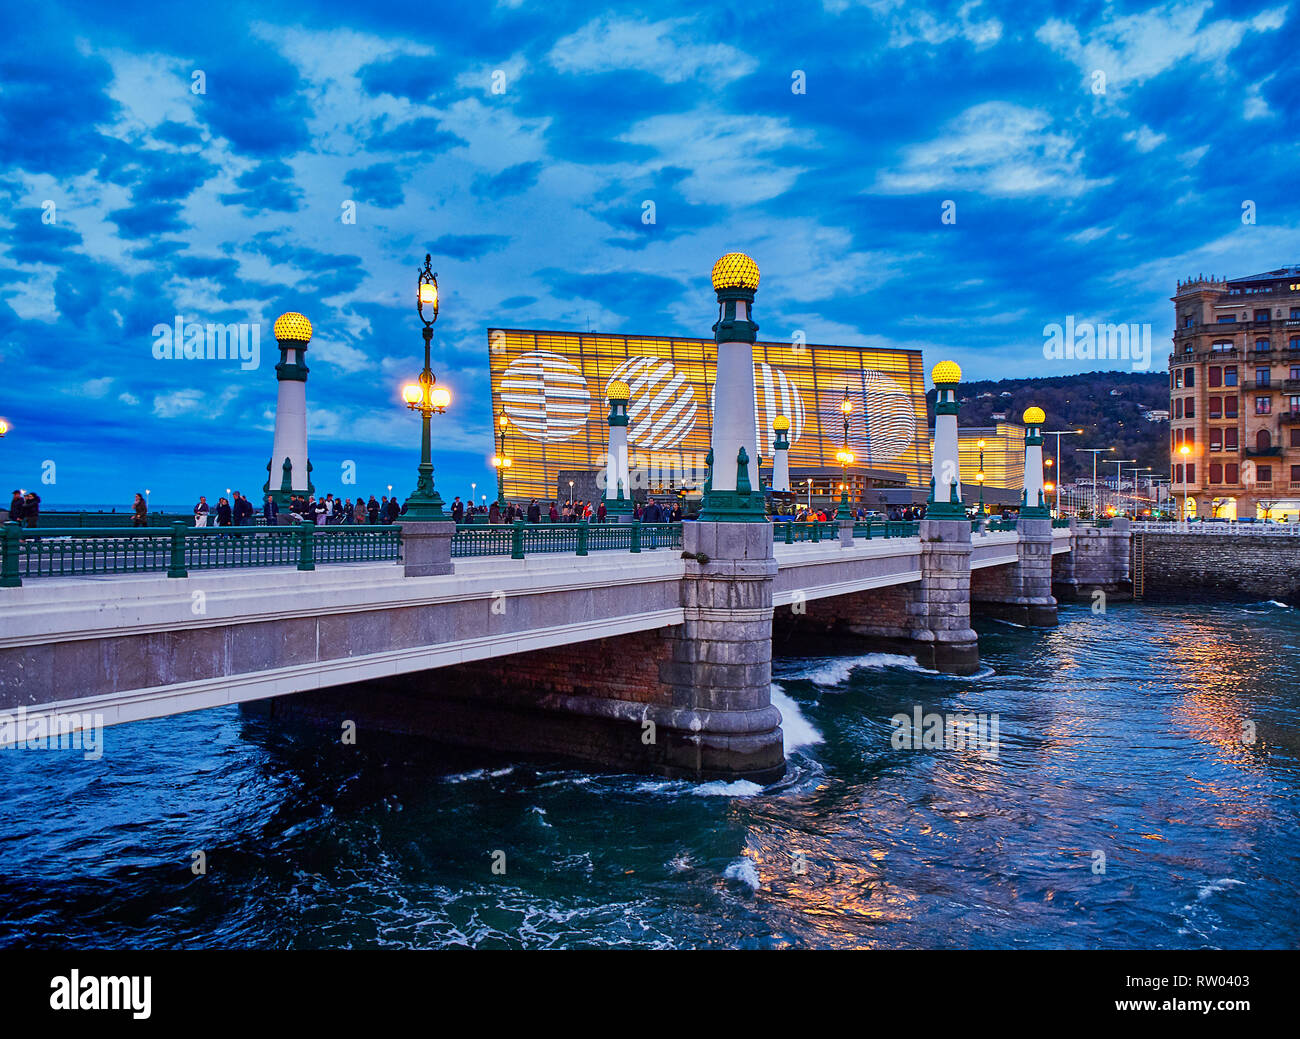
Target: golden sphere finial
[1034, 416]
[945, 373]
[292, 327]
[781, 424]
[735, 271]
[618, 390]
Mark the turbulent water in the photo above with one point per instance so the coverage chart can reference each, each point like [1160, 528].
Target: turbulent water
[1145, 793]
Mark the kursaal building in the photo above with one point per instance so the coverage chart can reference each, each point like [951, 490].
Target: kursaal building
[553, 389]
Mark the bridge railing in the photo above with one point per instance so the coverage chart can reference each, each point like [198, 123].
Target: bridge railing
[1216, 527]
[887, 529]
[33, 552]
[520, 540]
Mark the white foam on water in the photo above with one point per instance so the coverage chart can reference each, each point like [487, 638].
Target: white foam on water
[744, 870]
[723, 788]
[1274, 602]
[798, 731]
[836, 671]
[1009, 624]
[478, 773]
[1218, 885]
[541, 816]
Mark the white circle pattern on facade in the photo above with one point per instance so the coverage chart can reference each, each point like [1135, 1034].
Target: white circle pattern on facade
[545, 396]
[662, 411]
[775, 394]
[891, 417]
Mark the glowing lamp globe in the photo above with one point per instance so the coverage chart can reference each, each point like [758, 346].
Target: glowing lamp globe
[441, 398]
[781, 424]
[428, 294]
[411, 393]
[292, 327]
[735, 271]
[1035, 416]
[618, 390]
[945, 373]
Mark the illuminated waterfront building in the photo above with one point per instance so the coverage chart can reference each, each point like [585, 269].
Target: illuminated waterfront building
[1234, 395]
[554, 388]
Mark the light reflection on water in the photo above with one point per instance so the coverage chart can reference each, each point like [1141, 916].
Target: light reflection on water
[1119, 734]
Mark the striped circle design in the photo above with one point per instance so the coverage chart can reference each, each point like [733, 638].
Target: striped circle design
[882, 424]
[545, 396]
[662, 408]
[891, 417]
[775, 394]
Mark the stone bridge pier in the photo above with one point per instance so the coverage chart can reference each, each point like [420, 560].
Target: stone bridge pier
[1021, 591]
[690, 700]
[1098, 561]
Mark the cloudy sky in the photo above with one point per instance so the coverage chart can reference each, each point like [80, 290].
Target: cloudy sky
[571, 165]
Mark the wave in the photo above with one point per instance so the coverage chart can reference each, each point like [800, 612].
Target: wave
[798, 731]
[743, 870]
[835, 671]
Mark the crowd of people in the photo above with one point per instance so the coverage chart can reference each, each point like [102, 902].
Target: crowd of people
[238, 511]
[571, 511]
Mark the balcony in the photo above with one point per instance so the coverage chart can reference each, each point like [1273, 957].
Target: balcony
[1266, 452]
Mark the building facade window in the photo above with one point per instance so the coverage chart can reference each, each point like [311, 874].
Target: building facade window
[1178, 407]
[1261, 345]
[1189, 380]
[1261, 315]
[1230, 375]
[1191, 473]
[1216, 440]
[1190, 410]
[1230, 440]
[1262, 406]
[1261, 376]
[1178, 378]
[1230, 472]
[1216, 472]
[1229, 407]
[1216, 376]
[1178, 474]
[1295, 474]
[1216, 407]
[1263, 441]
[1264, 473]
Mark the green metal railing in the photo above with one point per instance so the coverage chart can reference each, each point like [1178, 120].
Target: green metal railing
[520, 540]
[887, 529]
[792, 532]
[1000, 524]
[1064, 521]
[31, 552]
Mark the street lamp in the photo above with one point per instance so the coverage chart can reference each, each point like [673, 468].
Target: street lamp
[808, 481]
[1094, 451]
[425, 503]
[4, 427]
[1185, 451]
[146, 499]
[1058, 433]
[979, 476]
[845, 456]
[1135, 470]
[500, 461]
[1118, 463]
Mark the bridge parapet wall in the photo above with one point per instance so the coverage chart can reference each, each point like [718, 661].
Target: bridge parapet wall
[1098, 559]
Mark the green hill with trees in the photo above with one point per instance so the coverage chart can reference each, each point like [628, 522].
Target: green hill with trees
[1107, 405]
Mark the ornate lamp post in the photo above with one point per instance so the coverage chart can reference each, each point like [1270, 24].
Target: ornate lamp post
[844, 455]
[500, 461]
[425, 504]
[979, 476]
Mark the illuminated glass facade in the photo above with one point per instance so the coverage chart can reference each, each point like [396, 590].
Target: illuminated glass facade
[552, 387]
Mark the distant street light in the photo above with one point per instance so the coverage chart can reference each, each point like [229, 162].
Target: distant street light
[1185, 451]
[4, 427]
[1094, 451]
[1058, 433]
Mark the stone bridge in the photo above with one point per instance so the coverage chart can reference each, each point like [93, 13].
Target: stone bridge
[658, 661]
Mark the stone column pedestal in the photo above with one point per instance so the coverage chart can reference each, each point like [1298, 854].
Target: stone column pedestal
[724, 724]
[426, 548]
[941, 608]
[1022, 591]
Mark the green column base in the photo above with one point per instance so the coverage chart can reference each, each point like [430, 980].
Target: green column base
[733, 507]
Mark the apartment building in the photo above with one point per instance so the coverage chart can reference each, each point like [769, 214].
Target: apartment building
[1234, 395]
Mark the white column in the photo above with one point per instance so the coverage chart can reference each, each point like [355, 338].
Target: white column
[733, 416]
[290, 438]
[946, 467]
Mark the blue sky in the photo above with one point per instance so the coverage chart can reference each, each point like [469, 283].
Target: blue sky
[519, 142]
